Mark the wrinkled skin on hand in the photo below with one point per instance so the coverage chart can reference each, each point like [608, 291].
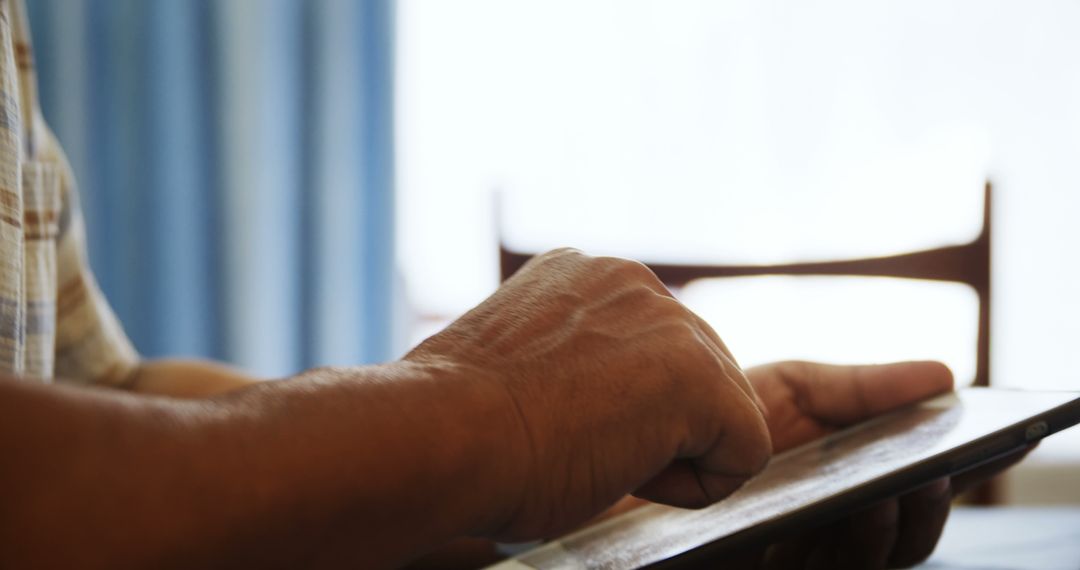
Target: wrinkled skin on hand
[611, 309]
[617, 388]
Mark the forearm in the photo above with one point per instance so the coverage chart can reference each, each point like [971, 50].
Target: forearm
[368, 465]
[187, 378]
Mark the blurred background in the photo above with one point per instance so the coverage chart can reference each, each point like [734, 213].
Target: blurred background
[281, 183]
[236, 165]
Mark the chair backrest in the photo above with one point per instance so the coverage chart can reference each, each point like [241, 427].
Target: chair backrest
[968, 263]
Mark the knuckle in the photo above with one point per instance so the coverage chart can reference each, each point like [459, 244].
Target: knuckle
[565, 252]
[670, 307]
[636, 303]
[632, 270]
[560, 254]
[555, 256]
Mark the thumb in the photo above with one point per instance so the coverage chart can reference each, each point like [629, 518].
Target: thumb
[842, 395]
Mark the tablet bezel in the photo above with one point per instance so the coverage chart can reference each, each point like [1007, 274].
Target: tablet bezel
[955, 461]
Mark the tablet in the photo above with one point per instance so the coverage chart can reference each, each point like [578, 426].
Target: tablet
[820, 481]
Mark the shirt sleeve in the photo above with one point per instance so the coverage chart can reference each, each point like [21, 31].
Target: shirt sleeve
[91, 346]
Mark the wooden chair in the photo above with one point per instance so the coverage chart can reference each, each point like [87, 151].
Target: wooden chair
[968, 264]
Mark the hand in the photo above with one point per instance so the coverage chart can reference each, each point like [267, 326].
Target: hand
[618, 389]
[806, 401]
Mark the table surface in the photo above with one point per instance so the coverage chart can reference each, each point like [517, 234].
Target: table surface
[1012, 538]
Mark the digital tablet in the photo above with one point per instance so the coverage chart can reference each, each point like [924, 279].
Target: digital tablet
[820, 481]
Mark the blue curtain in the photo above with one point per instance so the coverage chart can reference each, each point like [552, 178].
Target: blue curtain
[236, 168]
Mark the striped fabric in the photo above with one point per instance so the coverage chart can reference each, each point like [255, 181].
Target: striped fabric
[54, 321]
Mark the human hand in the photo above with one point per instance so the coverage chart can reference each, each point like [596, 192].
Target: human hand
[806, 401]
[618, 389]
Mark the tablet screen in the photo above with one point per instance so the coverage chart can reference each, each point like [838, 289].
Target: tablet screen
[938, 434]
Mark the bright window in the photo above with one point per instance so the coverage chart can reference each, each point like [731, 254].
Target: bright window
[746, 131]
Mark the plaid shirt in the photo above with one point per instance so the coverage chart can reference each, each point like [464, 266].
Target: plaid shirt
[54, 321]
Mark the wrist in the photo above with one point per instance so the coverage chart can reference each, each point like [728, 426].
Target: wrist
[406, 454]
[493, 455]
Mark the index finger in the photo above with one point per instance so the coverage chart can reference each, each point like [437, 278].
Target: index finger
[843, 395]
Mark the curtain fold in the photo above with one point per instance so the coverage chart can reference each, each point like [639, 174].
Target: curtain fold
[236, 169]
